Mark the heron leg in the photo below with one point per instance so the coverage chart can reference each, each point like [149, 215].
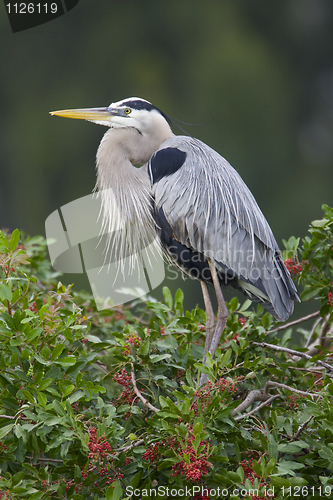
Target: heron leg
[222, 317]
[210, 322]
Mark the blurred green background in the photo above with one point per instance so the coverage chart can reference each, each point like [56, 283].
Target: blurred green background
[258, 74]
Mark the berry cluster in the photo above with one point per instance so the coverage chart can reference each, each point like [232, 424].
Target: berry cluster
[128, 395]
[98, 447]
[199, 496]
[152, 453]
[131, 339]
[99, 462]
[206, 393]
[33, 308]
[198, 466]
[179, 375]
[292, 404]
[242, 321]
[250, 474]
[293, 267]
[330, 299]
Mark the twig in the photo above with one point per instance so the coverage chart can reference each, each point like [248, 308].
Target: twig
[101, 365]
[293, 323]
[138, 393]
[316, 323]
[43, 459]
[323, 339]
[301, 428]
[284, 386]
[265, 397]
[14, 418]
[311, 370]
[130, 446]
[264, 403]
[252, 397]
[292, 352]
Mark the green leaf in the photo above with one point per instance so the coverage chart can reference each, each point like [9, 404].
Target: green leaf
[76, 396]
[3, 243]
[67, 361]
[93, 339]
[45, 383]
[36, 332]
[197, 428]
[144, 349]
[236, 478]
[179, 299]
[59, 408]
[5, 430]
[270, 467]
[57, 351]
[320, 223]
[114, 491]
[257, 468]
[70, 388]
[5, 292]
[155, 358]
[309, 293]
[167, 296]
[27, 395]
[14, 240]
[36, 496]
[42, 399]
[273, 448]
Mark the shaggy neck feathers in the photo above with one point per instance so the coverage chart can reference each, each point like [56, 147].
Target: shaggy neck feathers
[125, 190]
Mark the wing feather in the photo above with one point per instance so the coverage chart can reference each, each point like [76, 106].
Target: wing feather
[211, 210]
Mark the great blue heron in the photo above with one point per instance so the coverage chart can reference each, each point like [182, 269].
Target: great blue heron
[207, 220]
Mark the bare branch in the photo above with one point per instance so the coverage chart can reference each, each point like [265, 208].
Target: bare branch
[138, 393]
[311, 370]
[293, 323]
[14, 418]
[130, 446]
[46, 459]
[288, 388]
[323, 340]
[301, 428]
[316, 323]
[265, 397]
[252, 397]
[265, 403]
[292, 352]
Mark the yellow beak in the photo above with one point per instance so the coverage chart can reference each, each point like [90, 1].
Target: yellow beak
[93, 114]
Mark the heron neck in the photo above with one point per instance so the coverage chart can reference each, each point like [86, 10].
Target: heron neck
[125, 194]
[124, 189]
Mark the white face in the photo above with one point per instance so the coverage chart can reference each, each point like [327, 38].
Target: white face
[136, 113]
[133, 112]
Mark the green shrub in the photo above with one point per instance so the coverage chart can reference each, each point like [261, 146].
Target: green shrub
[105, 405]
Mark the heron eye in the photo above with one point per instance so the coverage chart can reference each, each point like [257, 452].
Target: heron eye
[127, 111]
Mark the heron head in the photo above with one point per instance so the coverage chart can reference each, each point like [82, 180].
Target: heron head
[132, 113]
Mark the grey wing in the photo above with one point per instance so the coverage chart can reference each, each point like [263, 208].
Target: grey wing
[210, 210]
